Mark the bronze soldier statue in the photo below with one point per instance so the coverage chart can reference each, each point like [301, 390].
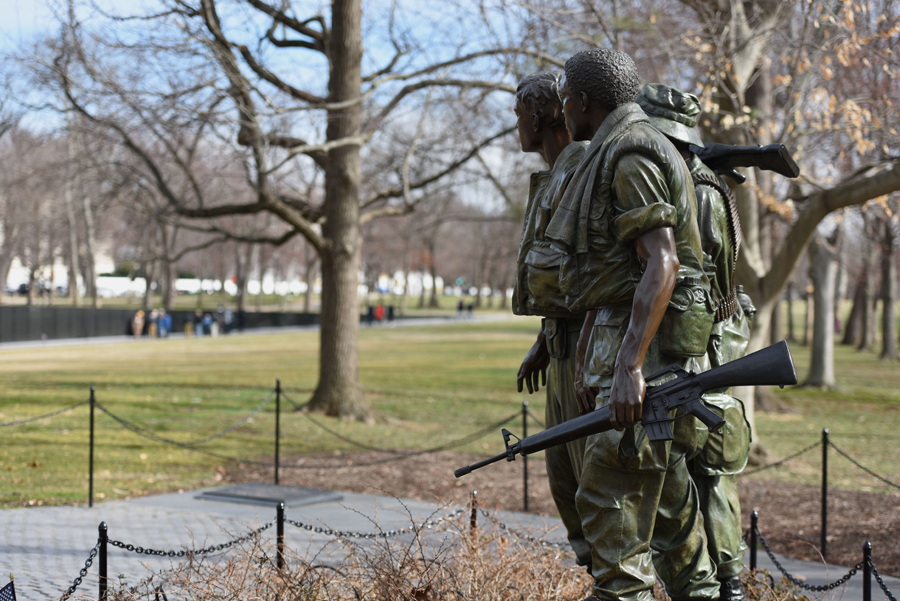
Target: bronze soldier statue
[627, 225]
[542, 129]
[724, 455]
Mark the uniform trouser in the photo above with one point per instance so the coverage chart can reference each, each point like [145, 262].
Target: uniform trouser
[722, 520]
[636, 499]
[637, 502]
[564, 461]
[724, 455]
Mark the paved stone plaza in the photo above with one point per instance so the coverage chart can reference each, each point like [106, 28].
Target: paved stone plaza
[45, 547]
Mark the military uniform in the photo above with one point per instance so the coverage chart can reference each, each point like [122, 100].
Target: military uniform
[725, 453]
[536, 292]
[632, 181]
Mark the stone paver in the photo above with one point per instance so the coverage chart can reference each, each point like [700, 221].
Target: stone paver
[45, 547]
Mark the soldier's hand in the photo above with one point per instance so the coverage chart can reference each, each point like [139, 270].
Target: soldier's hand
[535, 365]
[585, 395]
[626, 398]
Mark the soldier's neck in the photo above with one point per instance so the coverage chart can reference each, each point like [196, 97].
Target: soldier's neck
[554, 143]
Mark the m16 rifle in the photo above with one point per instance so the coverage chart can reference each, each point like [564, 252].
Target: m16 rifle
[723, 158]
[770, 366]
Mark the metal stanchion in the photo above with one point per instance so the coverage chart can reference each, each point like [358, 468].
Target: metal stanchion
[101, 556]
[754, 522]
[91, 467]
[277, 423]
[525, 457]
[279, 556]
[824, 492]
[867, 571]
[473, 516]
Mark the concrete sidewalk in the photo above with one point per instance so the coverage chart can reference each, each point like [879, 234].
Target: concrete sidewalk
[45, 547]
[406, 322]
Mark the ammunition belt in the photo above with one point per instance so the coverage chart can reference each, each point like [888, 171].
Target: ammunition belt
[727, 307]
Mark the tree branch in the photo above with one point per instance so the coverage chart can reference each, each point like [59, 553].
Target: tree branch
[877, 181]
[397, 191]
[301, 27]
[273, 79]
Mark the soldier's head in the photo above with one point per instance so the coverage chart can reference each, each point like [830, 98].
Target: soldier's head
[597, 82]
[538, 106]
[672, 112]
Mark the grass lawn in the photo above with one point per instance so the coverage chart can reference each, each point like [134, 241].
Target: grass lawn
[432, 384]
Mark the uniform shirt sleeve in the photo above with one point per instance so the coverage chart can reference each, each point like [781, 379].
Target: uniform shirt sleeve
[641, 198]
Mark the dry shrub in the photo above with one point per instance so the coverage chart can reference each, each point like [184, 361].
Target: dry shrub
[452, 564]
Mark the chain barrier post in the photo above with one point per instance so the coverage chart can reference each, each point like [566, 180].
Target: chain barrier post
[824, 492]
[277, 423]
[91, 466]
[754, 523]
[104, 538]
[473, 517]
[525, 457]
[279, 536]
[867, 571]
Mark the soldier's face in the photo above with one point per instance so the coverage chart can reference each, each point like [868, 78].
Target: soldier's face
[525, 124]
[572, 110]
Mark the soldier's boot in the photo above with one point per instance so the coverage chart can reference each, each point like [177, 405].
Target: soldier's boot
[731, 589]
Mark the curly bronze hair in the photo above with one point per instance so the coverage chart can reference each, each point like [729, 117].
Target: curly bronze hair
[609, 77]
[539, 93]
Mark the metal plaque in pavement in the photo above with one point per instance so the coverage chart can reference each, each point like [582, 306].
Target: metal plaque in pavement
[270, 495]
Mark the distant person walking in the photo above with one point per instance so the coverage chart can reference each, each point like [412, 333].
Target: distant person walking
[379, 313]
[154, 324]
[370, 315]
[137, 324]
[459, 309]
[390, 315]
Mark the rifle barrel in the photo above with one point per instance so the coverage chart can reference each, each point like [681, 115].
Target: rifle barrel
[470, 468]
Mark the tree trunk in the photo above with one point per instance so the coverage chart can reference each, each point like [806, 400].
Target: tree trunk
[791, 337]
[853, 329]
[339, 392]
[242, 274]
[32, 279]
[149, 274]
[869, 326]
[823, 271]
[68, 193]
[776, 332]
[311, 258]
[90, 240]
[433, 303]
[810, 314]
[888, 274]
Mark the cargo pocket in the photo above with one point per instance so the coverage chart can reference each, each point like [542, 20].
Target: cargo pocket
[603, 348]
[555, 335]
[727, 450]
[687, 324]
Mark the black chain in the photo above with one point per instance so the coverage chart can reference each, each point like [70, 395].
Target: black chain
[535, 418]
[292, 402]
[450, 445]
[427, 524]
[862, 467]
[140, 431]
[880, 581]
[83, 572]
[522, 535]
[460, 442]
[782, 461]
[45, 416]
[183, 552]
[799, 583]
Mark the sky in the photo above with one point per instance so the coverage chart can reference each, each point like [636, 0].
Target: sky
[22, 20]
